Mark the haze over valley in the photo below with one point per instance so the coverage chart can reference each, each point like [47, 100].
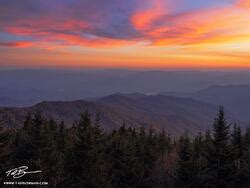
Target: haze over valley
[172, 100]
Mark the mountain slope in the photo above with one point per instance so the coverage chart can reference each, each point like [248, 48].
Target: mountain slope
[235, 98]
[26, 87]
[173, 114]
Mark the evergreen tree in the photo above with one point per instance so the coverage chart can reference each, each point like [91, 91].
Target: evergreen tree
[242, 176]
[28, 146]
[4, 138]
[237, 146]
[36, 141]
[198, 147]
[127, 166]
[164, 142]
[84, 163]
[247, 145]
[241, 171]
[4, 150]
[219, 155]
[247, 138]
[52, 160]
[185, 166]
[61, 145]
[86, 156]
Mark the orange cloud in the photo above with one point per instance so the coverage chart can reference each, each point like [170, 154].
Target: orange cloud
[142, 19]
[157, 37]
[243, 3]
[52, 35]
[208, 26]
[21, 44]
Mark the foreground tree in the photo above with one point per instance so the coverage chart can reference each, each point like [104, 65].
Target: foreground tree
[84, 163]
[4, 149]
[237, 146]
[86, 156]
[28, 146]
[219, 155]
[185, 168]
[4, 138]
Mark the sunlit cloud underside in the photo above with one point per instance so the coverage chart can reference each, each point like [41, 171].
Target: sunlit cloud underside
[130, 34]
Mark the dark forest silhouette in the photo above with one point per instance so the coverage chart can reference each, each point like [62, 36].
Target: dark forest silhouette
[84, 155]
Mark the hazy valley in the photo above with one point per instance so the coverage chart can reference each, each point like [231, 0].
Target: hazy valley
[190, 103]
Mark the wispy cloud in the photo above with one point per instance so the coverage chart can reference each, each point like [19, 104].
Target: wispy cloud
[186, 25]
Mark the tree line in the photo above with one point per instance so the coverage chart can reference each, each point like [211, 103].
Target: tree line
[84, 155]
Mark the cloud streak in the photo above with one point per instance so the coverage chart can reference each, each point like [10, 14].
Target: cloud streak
[217, 26]
[16, 44]
[85, 21]
[67, 22]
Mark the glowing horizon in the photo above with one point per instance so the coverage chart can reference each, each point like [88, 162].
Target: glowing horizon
[125, 34]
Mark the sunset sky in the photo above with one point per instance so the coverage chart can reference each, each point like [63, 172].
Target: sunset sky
[125, 33]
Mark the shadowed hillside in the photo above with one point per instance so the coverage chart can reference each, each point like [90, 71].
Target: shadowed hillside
[234, 97]
[28, 87]
[173, 114]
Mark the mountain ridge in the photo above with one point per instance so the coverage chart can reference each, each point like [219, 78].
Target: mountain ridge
[28, 87]
[159, 112]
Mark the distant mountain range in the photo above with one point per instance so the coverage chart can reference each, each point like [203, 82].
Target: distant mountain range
[174, 101]
[173, 114]
[235, 98]
[30, 86]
